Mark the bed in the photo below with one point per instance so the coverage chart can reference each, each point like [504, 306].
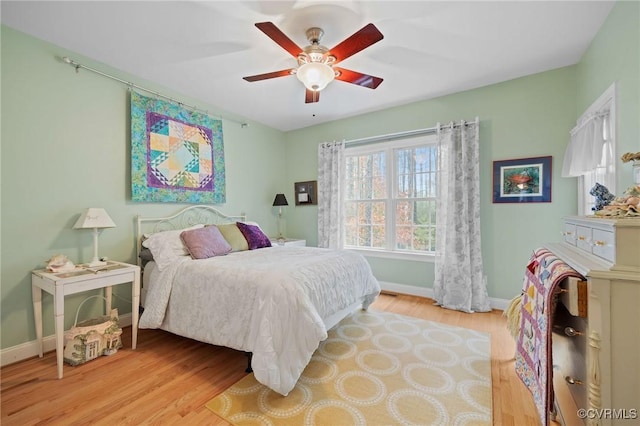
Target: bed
[275, 303]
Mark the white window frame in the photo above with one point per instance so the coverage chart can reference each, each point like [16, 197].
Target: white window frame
[389, 146]
[585, 200]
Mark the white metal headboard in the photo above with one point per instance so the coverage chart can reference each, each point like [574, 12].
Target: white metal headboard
[188, 216]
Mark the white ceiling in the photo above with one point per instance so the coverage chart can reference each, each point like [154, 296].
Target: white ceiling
[202, 49]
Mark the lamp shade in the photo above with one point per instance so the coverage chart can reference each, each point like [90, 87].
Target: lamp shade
[280, 200]
[94, 217]
[315, 75]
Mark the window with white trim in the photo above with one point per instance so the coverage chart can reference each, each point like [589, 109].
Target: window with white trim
[591, 153]
[604, 173]
[390, 201]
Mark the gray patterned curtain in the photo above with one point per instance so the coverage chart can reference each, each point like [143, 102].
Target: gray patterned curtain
[331, 170]
[460, 282]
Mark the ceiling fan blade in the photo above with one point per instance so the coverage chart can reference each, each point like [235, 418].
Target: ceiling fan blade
[279, 37]
[358, 78]
[362, 39]
[282, 73]
[311, 96]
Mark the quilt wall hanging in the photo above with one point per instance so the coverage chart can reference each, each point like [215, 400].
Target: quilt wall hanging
[177, 155]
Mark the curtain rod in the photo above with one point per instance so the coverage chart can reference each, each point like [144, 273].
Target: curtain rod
[131, 85]
[405, 134]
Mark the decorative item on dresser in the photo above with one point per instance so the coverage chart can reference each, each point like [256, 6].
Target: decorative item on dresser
[635, 164]
[627, 205]
[598, 334]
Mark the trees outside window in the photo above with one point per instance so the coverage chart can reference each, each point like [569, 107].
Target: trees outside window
[390, 195]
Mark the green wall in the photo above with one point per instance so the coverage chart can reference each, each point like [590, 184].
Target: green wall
[614, 55]
[65, 147]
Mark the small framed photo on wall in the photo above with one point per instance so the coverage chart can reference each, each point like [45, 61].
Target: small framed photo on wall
[522, 180]
[306, 193]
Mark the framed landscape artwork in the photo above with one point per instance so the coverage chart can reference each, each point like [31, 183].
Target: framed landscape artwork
[522, 180]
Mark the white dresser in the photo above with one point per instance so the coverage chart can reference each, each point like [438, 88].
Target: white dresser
[596, 351]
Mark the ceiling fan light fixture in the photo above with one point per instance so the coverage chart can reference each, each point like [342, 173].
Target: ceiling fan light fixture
[315, 75]
[316, 63]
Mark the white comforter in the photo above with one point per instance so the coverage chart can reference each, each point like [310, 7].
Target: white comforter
[270, 302]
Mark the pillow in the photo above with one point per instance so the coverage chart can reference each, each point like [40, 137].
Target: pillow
[234, 237]
[166, 246]
[248, 222]
[254, 236]
[204, 243]
[145, 255]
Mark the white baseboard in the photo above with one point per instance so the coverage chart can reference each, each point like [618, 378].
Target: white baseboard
[501, 304]
[411, 290]
[30, 349]
[406, 289]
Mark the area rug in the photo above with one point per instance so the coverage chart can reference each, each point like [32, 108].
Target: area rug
[377, 368]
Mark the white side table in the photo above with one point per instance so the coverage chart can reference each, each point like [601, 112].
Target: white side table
[66, 283]
[288, 242]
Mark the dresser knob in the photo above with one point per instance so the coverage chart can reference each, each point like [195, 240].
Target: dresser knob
[599, 243]
[571, 332]
[572, 381]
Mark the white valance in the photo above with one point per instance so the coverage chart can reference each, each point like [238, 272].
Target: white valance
[585, 150]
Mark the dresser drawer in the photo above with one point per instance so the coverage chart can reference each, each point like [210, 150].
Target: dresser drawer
[583, 238]
[604, 244]
[569, 346]
[574, 296]
[570, 233]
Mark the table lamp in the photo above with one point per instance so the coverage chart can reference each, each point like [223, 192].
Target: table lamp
[94, 218]
[280, 201]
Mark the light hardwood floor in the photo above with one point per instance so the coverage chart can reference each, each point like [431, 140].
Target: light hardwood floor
[168, 379]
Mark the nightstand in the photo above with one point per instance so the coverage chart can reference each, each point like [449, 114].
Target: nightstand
[61, 284]
[288, 242]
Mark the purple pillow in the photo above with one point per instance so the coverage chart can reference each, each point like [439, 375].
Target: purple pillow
[203, 243]
[254, 236]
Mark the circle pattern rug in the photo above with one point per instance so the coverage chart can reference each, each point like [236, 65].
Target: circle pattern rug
[377, 368]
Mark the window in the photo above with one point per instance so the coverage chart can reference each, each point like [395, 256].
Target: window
[605, 172]
[390, 195]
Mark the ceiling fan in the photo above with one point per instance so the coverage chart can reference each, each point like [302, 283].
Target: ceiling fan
[316, 64]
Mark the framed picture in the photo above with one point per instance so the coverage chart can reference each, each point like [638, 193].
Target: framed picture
[306, 193]
[522, 180]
